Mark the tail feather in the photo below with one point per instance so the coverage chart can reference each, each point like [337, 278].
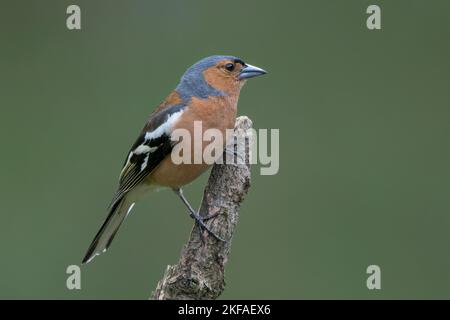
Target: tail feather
[117, 214]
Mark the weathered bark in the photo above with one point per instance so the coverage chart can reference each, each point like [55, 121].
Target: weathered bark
[199, 273]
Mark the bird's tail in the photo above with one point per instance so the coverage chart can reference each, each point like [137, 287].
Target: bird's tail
[117, 214]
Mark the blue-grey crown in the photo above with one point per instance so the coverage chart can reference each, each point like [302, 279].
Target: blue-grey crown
[193, 84]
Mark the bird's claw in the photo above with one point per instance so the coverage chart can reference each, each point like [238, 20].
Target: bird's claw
[200, 222]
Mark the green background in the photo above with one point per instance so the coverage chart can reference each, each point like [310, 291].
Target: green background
[364, 119]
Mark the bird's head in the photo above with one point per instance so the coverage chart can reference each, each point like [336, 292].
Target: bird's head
[216, 76]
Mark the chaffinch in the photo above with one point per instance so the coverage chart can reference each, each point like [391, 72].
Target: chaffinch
[207, 92]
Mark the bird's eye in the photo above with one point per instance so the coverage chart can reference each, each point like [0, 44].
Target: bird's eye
[229, 66]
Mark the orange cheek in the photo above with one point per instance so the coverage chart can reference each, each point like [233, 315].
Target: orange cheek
[216, 79]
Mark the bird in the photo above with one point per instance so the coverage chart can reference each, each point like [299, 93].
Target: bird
[208, 91]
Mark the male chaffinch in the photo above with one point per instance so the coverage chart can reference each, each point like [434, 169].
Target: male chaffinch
[207, 92]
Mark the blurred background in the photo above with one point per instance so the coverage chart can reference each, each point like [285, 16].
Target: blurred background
[364, 119]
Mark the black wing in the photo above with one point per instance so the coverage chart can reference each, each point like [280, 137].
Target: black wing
[151, 147]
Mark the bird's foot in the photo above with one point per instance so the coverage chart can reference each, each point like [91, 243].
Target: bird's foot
[200, 222]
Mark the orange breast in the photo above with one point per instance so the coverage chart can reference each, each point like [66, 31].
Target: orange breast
[172, 175]
[214, 113]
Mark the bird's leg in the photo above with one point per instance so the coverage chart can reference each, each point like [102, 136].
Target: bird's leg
[179, 192]
[194, 215]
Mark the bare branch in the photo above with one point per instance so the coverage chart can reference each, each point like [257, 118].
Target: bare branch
[199, 273]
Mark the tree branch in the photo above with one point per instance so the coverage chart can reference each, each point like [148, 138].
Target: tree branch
[199, 273]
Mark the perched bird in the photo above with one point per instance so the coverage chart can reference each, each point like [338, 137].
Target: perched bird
[208, 92]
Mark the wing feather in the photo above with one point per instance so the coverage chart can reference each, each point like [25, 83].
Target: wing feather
[150, 148]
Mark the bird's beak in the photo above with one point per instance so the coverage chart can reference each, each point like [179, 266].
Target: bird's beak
[249, 71]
